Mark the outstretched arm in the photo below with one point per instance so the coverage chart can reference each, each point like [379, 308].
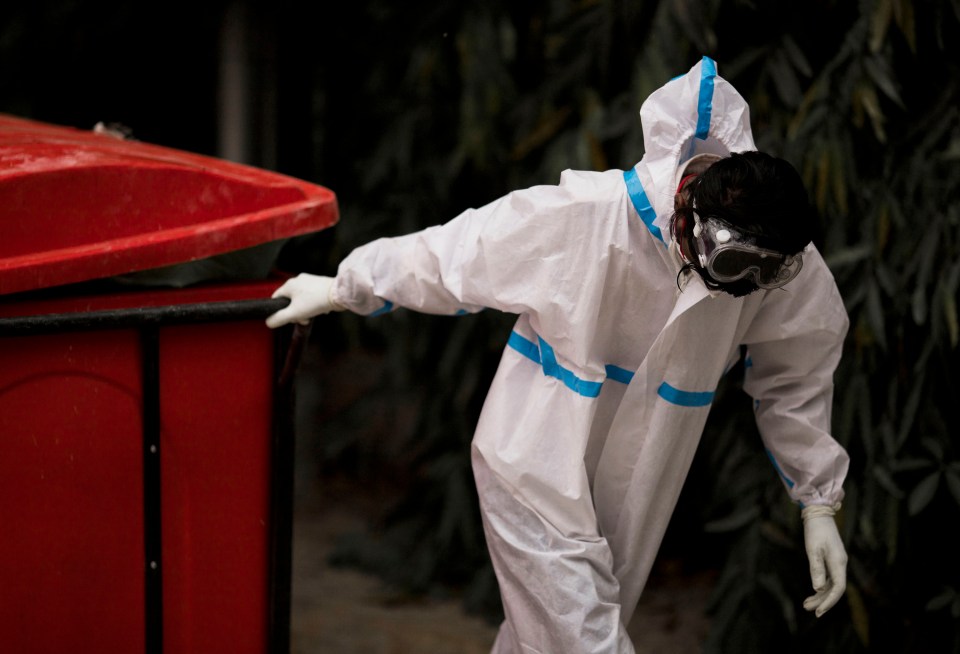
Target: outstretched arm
[792, 355]
[490, 257]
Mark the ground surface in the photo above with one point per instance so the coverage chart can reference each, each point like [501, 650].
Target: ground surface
[342, 611]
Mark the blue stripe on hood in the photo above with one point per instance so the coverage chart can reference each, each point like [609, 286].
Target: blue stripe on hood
[708, 71]
[641, 202]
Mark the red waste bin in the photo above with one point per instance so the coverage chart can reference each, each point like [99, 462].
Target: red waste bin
[145, 433]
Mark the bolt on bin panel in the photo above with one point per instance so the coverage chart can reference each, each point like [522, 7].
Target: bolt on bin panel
[76, 205]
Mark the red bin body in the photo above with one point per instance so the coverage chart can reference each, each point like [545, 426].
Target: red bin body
[145, 452]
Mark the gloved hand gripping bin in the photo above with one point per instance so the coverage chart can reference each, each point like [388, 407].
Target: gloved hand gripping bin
[145, 432]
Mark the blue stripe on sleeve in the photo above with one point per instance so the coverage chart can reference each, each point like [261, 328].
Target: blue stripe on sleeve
[776, 465]
[389, 306]
[386, 308]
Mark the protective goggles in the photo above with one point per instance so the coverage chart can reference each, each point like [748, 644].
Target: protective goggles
[728, 255]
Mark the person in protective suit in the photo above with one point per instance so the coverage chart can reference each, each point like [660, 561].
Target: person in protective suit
[635, 292]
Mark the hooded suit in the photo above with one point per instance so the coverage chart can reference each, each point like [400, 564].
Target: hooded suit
[597, 407]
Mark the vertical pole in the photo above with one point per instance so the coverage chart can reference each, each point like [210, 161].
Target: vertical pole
[234, 97]
[286, 353]
[247, 88]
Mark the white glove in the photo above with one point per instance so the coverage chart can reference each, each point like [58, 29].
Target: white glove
[828, 558]
[310, 295]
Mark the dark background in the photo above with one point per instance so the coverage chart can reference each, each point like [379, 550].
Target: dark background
[412, 112]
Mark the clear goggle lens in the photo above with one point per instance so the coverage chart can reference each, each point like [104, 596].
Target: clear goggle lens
[729, 255]
[766, 268]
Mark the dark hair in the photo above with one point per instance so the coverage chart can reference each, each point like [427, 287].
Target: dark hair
[760, 194]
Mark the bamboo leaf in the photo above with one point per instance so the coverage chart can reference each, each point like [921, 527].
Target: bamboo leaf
[906, 20]
[918, 305]
[950, 315]
[854, 298]
[844, 427]
[546, 129]
[889, 441]
[879, 73]
[796, 56]
[926, 257]
[848, 256]
[810, 113]
[823, 177]
[774, 586]
[953, 279]
[923, 494]
[838, 182]
[871, 105]
[725, 616]
[911, 465]
[864, 415]
[885, 279]
[953, 483]
[942, 600]
[733, 521]
[886, 481]
[785, 80]
[775, 533]
[891, 524]
[879, 23]
[934, 447]
[875, 314]
[859, 614]
[883, 227]
[909, 414]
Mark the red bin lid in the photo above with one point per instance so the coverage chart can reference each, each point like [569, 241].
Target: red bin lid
[78, 205]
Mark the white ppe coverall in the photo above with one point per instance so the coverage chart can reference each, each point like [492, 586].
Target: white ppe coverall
[593, 418]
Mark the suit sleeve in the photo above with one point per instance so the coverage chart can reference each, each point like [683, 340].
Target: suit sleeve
[521, 253]
[793, 351]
